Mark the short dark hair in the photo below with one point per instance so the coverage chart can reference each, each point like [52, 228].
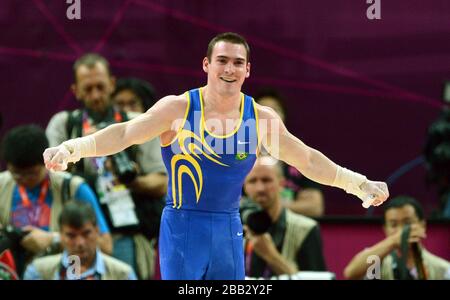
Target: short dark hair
[141, 88]
[23, 146]
[401, 201]
[272, 93]
[76, 214]
[229, 37]
[89, 60]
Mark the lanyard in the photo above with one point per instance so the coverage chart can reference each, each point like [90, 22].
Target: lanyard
[26, 201]
[86, 129]
[248, 256]
[248, 261]
[86, 125]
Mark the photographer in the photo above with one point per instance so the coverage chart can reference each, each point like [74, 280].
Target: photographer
[278, 241]
[133, 95]
[31, 198]
[401, 253]
[130, 185]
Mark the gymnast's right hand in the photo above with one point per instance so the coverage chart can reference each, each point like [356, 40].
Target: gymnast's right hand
[71, 151]
[57, 158]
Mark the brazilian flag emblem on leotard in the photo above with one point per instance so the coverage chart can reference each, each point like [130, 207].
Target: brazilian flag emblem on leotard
[241, 156]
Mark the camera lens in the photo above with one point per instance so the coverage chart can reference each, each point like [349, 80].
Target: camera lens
[123, 167]
[259, 221]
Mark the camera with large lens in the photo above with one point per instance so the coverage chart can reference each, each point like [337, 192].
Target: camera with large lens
[254, 216]
[10, 237]
[124, 167]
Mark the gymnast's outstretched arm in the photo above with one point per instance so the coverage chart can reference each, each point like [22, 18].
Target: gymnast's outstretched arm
[312, 163]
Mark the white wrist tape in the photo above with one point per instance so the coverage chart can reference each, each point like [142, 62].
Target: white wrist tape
[80, 147]
[350, 182]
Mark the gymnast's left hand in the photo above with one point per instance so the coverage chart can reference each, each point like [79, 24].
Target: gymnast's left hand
[375, 193]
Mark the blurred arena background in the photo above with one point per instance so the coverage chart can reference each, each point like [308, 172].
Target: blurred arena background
[362, 91]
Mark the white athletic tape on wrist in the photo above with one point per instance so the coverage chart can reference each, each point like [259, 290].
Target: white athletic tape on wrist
[350, 182]
[80, 147]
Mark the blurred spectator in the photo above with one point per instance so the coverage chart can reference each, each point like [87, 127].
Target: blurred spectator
[278, 241]
[130, 184]
[437, 158]
[133, 95]
[299, 194]
[31, 198]
[79, 238]
[401, 253]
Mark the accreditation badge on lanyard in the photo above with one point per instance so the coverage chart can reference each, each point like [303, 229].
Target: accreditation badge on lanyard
[121, 207]
[117, 198]
[37, 215]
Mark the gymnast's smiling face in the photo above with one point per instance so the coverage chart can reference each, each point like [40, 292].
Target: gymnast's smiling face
[227, 68]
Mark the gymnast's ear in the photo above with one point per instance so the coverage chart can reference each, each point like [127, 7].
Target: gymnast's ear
[205, 64]
[247, 75]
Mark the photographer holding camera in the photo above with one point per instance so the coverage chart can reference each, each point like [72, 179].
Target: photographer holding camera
[278, 241]
[402, 254]
[130, 184]
[31, 198]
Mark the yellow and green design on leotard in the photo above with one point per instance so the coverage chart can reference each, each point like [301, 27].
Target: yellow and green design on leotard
[190, 152]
